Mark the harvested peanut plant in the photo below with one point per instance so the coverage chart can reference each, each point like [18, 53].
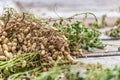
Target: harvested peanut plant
[114, 32]
[32, 45]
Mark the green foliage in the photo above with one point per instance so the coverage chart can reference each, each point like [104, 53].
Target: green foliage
[67, 72]
[93, 72]
[78, 36]
[12, 66]
[114, 32]
[103, 74]
[81, 37]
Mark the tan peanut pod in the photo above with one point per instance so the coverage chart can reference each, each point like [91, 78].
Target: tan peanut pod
[14, 55]
[52, 61]
[55, 29]
[1, 23]
[53, 50]
[56, 53]
[24, 47]
[19, 36]
[28, 41]
[26, 30]
[14, 44]
[2, 37]
[62, 57]
[29, 44]
[28, 36]
[42, 46]
[5, 47]
[9, 44]
[30, 49]
[19, 52]
[20, 39]
[63, 48]
[49, 58]
[66, 53]
[1, 50]
[14, 40]
[51, 47]
[69, 57]
[21, 29]
[74, 53]
[1, 53]
[44, 69]
[34, 45]
[34, 30]
[40, 38]
[25, 42]
[8, 54]
[54, 57]
[22, 35]
[13, 48]
[24, 63]
[9, 48]
[64, 37]
[4, 33]
[74, 61]
[42, 52]
[3, 58]
[34, 23]
[5, 40]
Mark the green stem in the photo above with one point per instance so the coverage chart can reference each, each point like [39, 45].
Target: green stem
[96, 20]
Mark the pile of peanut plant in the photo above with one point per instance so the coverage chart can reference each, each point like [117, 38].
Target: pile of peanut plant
[29, 44]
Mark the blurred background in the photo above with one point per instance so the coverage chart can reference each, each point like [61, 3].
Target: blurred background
[65, 8]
